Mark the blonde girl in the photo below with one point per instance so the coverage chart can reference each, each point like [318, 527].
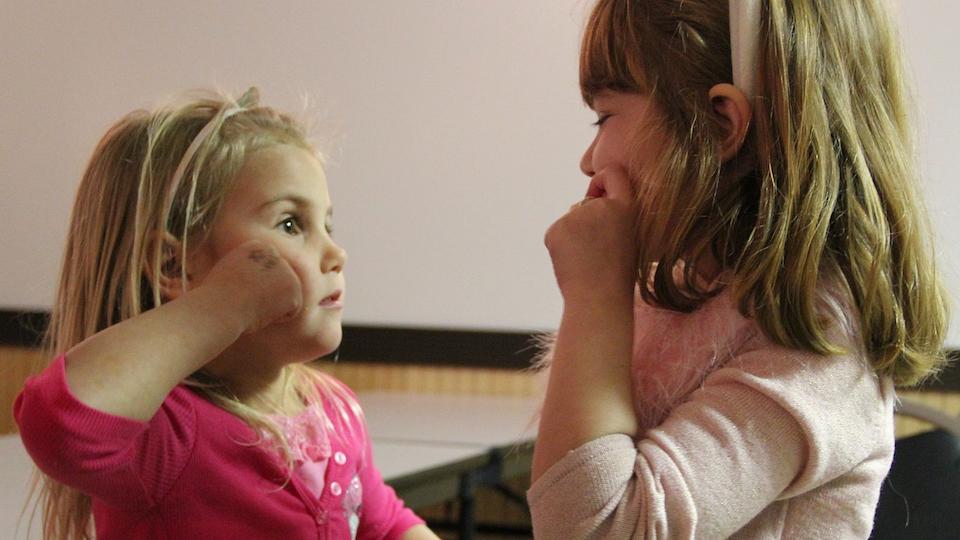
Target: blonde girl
[199, 276]
[746, 281]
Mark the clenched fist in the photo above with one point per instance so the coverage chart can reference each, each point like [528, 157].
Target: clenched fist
[594, 246]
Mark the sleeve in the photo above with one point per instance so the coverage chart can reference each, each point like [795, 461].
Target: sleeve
[384, 514]
[769, 425]
[126, 463]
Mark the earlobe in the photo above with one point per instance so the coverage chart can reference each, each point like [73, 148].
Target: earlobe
[735, 112]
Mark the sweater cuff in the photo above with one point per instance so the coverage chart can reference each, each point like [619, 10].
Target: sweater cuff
[595, 471]
[405, 521]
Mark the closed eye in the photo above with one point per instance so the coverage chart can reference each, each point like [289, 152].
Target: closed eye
[603, 118]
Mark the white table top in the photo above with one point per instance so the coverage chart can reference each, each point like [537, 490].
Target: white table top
[480, 421]
[15, 474]
[396, 459]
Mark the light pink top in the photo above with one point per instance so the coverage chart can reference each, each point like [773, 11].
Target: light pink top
[739, 438]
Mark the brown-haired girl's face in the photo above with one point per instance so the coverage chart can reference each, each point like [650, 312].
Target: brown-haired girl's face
[624, 139]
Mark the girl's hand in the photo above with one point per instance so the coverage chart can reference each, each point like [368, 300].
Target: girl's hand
[594, 246]
[261, 281]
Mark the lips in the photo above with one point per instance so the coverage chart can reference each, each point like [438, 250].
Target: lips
[596, 189]
[333, 300]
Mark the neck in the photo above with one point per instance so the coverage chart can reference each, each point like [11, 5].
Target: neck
[261, 385]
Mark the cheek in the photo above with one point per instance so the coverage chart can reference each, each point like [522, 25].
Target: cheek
[303, 267]
[611, 151]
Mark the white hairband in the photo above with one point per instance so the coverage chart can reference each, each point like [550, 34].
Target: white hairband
[744, 38]
[213, 125]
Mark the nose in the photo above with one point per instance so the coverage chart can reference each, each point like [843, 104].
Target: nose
[333, 259]
[586, 162]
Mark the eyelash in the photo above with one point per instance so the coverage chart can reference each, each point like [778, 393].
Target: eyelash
[603, 118]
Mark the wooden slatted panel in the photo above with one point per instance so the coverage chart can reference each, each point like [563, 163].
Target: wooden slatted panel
[946, 402]
[16, 364]
[369, 376]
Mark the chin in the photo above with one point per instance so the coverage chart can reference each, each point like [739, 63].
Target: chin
[325, 342]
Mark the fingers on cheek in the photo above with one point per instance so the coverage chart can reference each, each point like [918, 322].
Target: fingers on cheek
[615, 184]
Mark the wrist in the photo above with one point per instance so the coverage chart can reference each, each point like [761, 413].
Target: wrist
[230, 308]
[599, 298]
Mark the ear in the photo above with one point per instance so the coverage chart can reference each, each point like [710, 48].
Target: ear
[734, 111]
[170, 277]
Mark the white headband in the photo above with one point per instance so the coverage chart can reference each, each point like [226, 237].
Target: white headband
[744, 38]
[211, 126]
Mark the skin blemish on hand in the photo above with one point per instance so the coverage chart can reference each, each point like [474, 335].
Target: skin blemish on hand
[265, 260]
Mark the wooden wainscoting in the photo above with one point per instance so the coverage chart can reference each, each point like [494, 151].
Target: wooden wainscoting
[16, 364]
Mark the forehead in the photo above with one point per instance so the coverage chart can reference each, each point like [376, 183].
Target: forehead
[280, 171]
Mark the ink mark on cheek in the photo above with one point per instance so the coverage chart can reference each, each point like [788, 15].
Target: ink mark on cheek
[265, 260]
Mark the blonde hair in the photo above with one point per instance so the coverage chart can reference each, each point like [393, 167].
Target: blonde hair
[142, 182]
[824, 192]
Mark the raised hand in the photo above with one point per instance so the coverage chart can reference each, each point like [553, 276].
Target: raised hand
[594, 245]
[265, 284]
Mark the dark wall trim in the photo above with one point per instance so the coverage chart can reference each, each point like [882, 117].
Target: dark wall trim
[424, 346]
[471, 348]
[512, 350]
[22, 328]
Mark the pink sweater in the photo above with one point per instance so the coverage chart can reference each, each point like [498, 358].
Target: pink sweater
[187, 473]
[739, 438]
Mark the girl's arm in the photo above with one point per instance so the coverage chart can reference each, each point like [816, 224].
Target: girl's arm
[589, 392]
[129, 368]
[588, 395]
[419, 532]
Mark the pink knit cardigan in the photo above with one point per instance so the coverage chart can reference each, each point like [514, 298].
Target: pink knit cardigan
[190, 471]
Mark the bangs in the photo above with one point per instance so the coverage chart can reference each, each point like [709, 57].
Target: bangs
[610, 51]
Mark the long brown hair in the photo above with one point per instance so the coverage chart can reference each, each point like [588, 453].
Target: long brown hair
[139, 184]
[823, 195]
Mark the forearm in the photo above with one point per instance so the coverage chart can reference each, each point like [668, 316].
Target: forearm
[589, 390]
[419, 532]
[129, 368]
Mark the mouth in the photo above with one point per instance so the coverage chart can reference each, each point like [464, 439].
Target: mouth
[596, 189]
[333, 301]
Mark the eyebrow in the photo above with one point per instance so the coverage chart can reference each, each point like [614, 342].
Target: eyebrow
[296, 200]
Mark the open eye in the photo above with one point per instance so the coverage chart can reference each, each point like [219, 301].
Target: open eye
[290, 225]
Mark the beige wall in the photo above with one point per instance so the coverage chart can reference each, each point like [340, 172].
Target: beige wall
[458, 127]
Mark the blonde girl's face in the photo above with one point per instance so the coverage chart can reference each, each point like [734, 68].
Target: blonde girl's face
[280, 196]
[623, 138]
